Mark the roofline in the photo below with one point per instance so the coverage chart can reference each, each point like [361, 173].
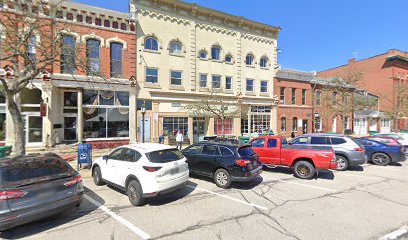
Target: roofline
[95, 9]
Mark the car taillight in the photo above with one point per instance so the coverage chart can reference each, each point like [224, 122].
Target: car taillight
[73, 181]
[359, 149]
[151, 169]
[6, 195]
[242, 162]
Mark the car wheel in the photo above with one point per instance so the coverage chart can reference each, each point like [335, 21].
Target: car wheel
[342, 163]
[222, 178]
[304, 170]
[381, 159]
[134, 192]
[97, 176]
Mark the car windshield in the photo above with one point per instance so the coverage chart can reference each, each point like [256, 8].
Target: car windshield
[245, 151]
[165, 156]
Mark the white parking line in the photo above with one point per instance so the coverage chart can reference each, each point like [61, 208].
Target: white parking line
[396, 234]
[228, 197]
[300, 184]
[118, 218]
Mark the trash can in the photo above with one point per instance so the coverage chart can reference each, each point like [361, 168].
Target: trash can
[84, 154]
[5, 151]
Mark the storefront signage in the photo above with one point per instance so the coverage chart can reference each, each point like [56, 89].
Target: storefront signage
[43, 109]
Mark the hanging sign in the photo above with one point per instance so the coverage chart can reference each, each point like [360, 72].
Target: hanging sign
[43, 109]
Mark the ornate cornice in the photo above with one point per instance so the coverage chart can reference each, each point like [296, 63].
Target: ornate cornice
[216, 29]
[258, 38]
[164, 17]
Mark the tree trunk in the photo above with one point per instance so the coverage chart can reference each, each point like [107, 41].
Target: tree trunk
[222, 126]
[19, 137]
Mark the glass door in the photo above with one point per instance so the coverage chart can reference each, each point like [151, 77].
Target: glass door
[199, 131]
[70, 124]
[33, 129]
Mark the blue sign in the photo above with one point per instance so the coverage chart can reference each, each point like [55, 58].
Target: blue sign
[84, 153]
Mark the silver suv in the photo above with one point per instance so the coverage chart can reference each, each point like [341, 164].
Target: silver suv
[348, 151]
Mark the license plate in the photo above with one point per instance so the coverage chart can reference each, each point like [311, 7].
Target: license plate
[174, 171]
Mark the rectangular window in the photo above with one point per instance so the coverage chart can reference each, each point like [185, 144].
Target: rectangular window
[228, 83]
[227, 126]
[70, 99]
[249, 85]
[264, 86]
[116, 60]
[171, 125]
[93, 56]
[282, 95]
[176, 77]
[152, 75]
[68, 55]
[293, 96]
[318, 98]
[203, 80]
[303, 96]
[216, 81]
[31, 47]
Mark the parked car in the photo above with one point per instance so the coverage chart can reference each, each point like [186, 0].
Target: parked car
[400, 137]
[33, 187]
[274, 151]
[224, 162]
[382, 154]
[348, 151]
[142, 170]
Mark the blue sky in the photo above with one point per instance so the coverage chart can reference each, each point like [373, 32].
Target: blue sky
[318, 34]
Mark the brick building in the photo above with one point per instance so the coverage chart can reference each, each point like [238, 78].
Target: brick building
[386, 76]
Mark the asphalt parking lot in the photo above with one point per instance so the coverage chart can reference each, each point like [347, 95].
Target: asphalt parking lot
[364, 203]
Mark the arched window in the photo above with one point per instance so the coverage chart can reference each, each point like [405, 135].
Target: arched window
[249, 60]
[216, 53]
[68, 54]
[93, 56]
[283, 124]
[31, 47]
[176, 48]
[228, 58]
[202, 54]
[151, 44]
[295, 124]
[264, 62]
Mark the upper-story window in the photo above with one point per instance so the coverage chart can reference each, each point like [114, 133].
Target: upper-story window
[293, 96]
[68, 54]
[176, 48]
[318, 98]
[93, 56]
[31, 47]
[228, 83]
[249, 60]
[216, 53]
[228, 58]
[216, 81]
[282, 95]
[334, 97]
[264, 86]
[249, 85]
[176, 77]
[116, 65]
[152, 75]
[203, 80]
[151, 44]
[303, 96]
[202, 54]
[264, 62]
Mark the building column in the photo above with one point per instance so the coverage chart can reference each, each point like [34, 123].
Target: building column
[48, 130]
[155, 122]
[80, 118]
[190, 129]
[237, 127]
[132, 115]
[210, 128]
[274, 119]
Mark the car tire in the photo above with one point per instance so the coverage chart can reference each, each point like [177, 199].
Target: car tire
[342, 163]
[135, 193]
[380, 159]
[304, 170]
[97, 176]
[222, 178]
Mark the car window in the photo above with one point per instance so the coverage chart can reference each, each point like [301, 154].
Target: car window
[336, 141]
[246, 151]
[284, 141]
[272, 143]
[226, 152]
[258, 143]
[165, 156]
[33, 171]
[195, 149]
[210, 150]
[131, 155]
[366, 143]
[320, 140]
[116, 154]
[300, 140]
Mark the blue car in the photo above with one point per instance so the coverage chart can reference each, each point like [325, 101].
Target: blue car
[382, 154]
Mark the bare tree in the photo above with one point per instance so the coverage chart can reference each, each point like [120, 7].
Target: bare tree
[216, 106]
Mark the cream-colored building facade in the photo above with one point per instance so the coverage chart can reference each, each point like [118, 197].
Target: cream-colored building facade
[185, 51]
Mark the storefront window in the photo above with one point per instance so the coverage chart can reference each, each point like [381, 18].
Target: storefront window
[260, 123]
[227, 126]
[173, 124]
[70, 99]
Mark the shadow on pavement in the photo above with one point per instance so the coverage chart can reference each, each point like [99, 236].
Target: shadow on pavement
[173, 196]
[237, 185]
[395, 164]
[355, 169]
[67, 215]
[322, 174]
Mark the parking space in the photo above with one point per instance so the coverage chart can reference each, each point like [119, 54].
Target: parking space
[364, 203]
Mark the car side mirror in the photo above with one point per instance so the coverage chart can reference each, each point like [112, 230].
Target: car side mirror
[105, 157]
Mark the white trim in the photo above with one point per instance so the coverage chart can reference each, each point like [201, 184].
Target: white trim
[116, 39]
[93, 35]
[76, 35]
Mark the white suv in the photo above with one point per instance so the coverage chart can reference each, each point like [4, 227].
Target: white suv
[142, 170]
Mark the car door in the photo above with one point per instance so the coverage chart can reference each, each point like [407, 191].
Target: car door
[126, 165]
[110, 172]
[258, 145]
[273, 152]
[192, 153]
[320, 141]
[208, 159]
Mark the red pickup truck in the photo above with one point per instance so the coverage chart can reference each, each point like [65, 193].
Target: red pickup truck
[275, 151]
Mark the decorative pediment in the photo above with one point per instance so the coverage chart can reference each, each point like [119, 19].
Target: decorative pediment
[133, 81]
[116, 39]
[93, 36]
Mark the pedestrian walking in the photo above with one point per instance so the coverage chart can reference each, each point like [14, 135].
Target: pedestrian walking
[293, 135]
[161, 138]
[179, 139]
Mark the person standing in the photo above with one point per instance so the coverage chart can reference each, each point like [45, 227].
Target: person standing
[179, 139]
[161, 138]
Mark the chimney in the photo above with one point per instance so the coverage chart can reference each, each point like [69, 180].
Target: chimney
[351, 61]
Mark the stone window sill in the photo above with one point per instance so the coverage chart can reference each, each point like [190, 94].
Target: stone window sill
[151, 51]
[176, 87]
[151, 85]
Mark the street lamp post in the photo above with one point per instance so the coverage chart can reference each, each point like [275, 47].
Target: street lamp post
[143, 109]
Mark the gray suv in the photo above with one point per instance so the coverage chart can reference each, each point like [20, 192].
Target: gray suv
[348, 151]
